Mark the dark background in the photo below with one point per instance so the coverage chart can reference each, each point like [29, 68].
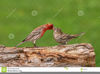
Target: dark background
[19, 17]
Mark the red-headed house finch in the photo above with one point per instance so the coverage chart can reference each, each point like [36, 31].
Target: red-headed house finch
[37, 33]
[63, 38]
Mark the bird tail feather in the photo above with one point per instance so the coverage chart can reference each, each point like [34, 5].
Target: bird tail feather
[19, 44]
[78, 34]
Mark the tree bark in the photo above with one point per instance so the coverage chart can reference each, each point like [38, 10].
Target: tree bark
[74, 55]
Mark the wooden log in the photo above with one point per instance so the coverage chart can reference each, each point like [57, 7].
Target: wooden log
[74, 55]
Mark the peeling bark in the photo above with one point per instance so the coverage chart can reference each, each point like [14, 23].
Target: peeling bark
[74, 55]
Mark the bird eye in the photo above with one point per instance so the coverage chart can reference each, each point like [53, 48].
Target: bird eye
[51, 26]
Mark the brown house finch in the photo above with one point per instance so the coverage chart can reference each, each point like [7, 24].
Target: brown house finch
[37, 33]
[63, 38]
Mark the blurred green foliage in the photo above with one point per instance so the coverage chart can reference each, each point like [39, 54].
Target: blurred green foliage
[16, 17]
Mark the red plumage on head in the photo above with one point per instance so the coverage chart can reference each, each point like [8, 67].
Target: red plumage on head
[49, 26]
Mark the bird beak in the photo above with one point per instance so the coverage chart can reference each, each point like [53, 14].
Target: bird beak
[54, 28]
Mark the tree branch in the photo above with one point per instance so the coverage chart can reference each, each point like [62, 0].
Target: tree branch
[74, 55]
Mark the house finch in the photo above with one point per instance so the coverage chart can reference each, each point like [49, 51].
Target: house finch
[37, 33]
[63, 38]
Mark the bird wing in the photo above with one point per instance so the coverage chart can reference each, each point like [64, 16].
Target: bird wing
[35, 34]
[66, 36]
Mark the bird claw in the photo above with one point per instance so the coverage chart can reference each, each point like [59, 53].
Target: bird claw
[36, 46]
[59, 45]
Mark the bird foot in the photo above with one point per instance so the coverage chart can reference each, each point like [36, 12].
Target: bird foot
[59, 45]
[36, 46]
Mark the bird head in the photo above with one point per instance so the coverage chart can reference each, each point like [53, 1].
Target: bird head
[49, 26]
[57, 30]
